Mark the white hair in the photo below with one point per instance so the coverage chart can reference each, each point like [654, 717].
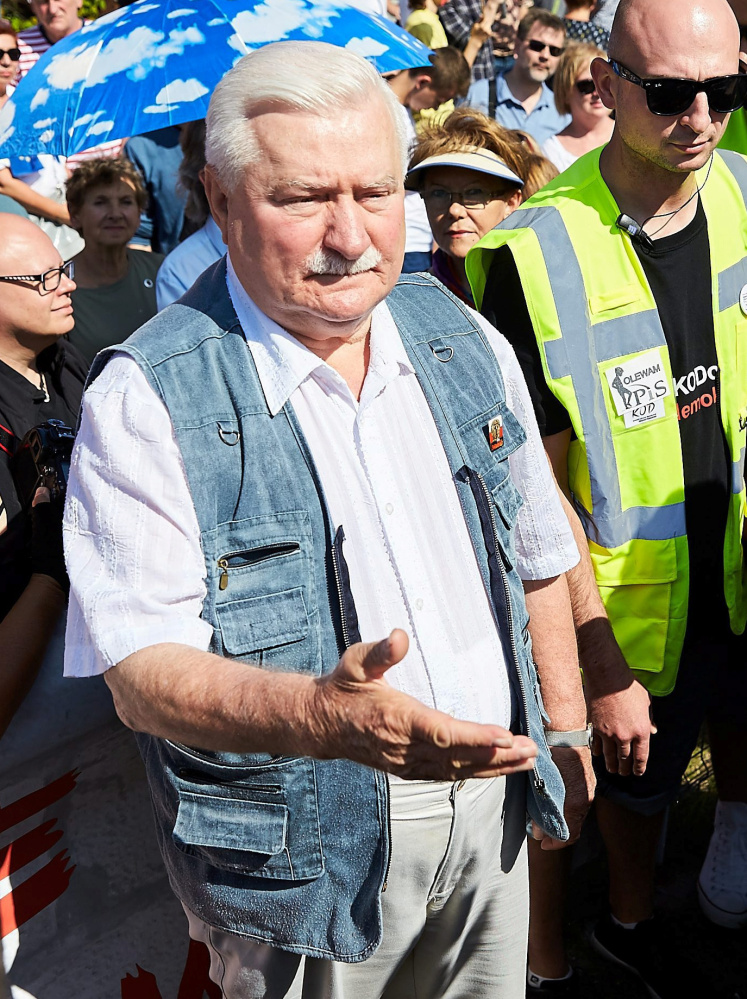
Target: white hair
[293, 76]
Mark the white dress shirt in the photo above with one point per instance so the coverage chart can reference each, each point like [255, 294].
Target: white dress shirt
[132, 537]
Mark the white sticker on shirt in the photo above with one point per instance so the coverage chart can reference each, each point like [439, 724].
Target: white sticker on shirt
[639, 387]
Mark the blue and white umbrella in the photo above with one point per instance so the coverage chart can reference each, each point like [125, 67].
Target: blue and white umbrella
[156, 63]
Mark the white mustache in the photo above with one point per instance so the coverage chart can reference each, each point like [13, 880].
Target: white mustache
[328, 262]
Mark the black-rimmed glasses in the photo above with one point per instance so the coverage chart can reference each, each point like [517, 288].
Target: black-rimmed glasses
[439, 199]
[668, 97]
[49, 280]
[13, 54]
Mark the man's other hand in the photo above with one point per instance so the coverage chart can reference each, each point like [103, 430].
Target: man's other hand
[355, 714]
[574, 764]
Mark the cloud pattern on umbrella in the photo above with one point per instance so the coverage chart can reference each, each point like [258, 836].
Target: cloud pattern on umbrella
[154, 64]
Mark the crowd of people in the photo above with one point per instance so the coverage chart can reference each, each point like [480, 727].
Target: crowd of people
[403, 521]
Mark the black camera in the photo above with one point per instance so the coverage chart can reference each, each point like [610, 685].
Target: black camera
[43, 459]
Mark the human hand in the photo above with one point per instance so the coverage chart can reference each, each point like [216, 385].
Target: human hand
[47, 557]
[355, 714]
[482, 29]
[621, 716]
[574, 764]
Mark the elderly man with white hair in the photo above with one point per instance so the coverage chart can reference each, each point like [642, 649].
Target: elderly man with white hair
[339, 816]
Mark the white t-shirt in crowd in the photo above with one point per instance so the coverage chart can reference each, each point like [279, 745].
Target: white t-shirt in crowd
[556, 152]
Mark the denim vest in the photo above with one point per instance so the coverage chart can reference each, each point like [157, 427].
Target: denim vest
[294, 851]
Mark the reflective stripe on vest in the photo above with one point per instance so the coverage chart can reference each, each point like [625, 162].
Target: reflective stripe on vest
[611, 526]
[590, 304]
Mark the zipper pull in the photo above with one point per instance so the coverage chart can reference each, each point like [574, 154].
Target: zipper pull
[224, 574]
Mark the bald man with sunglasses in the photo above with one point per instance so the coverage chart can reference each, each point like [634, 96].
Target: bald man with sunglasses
[623, 287]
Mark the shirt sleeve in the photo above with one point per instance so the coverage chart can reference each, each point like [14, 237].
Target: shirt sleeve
[137, 574]
[455, 17]
[505, 308]
[545, 546]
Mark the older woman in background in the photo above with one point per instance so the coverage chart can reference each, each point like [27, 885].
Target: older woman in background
[116, 290]
[468, 171]
[575, 94]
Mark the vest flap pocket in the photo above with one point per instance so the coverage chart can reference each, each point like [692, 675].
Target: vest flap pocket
[263, 622]
[638, 561]
[489, 439]
[231, 824]
[616, 298]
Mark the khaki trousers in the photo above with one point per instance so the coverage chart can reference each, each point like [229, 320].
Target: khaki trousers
[455, 911]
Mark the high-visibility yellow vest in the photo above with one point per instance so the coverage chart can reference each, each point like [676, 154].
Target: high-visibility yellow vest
[592, 308]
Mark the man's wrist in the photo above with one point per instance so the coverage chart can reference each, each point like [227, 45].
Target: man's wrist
[570, 738]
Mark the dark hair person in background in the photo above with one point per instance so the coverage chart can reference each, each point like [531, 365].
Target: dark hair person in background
[189, 259]
[116, 285]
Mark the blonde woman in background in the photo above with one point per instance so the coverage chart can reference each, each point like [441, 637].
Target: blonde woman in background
[575, 94]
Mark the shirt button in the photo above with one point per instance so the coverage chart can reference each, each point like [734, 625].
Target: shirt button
[419, 604]
[389, 508]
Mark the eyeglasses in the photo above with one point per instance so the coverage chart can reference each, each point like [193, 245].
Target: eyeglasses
[49, 280]
[669, 97]
[440, 200]
[585, 87]
[537, 46]
[13, 54]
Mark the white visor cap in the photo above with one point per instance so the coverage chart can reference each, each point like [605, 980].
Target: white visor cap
[481, 160]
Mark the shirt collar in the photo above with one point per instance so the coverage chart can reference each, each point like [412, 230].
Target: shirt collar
[213, 233]
[283, 363]
[503, 95]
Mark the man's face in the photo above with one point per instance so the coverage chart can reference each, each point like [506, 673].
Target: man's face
[677, 143]
[29, 314]
[58, 18]
[538, 65]
[323, 187]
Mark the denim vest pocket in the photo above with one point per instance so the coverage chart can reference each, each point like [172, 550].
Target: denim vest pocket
[262, 599]
[263, 622]
[258, 821]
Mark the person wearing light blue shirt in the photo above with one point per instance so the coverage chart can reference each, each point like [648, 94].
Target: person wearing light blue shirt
[187, 261]
[521, 98]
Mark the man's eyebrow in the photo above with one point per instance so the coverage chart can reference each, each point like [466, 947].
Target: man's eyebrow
[302, 185]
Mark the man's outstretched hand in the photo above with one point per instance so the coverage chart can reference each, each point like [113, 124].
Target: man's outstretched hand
[353, 713]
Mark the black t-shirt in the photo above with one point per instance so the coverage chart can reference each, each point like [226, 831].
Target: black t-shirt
[23, 406]
[678, 269]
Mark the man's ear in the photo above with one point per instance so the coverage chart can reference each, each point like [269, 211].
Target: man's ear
[217, 199]
[420, 81]
[602, 74]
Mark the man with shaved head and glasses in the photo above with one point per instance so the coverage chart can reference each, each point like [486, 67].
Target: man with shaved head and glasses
[623, 287]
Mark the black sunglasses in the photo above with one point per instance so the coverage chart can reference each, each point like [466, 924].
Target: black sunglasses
[585, 87]
[671, 97]
[537, 46]
[13, 54]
